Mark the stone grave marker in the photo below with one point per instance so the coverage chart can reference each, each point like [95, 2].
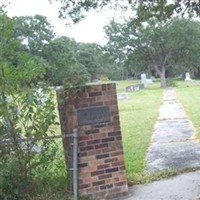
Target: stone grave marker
[143, 79]
[187, 77]
[122, 96]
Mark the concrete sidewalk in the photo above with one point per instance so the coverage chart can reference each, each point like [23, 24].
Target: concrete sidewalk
[173, 146]
[173, 143]
[182, 187]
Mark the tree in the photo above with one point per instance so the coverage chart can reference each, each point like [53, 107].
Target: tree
[33, 32]
[89, 55]
[25, 113]
[159, 47]
[120, 43]
[64, 66]
[160, 9]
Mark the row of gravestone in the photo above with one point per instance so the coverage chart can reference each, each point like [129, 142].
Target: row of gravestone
[142, 85]
[135, 87]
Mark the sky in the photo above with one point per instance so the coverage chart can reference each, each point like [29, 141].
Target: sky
[89, 30]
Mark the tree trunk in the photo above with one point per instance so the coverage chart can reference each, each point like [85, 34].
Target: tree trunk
[161, 73]
[163, 83]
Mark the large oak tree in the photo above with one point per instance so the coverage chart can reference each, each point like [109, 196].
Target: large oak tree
[157, 46]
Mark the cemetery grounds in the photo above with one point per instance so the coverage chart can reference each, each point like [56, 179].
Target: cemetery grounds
[138, 115]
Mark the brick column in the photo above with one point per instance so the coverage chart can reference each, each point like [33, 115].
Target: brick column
[100, 158]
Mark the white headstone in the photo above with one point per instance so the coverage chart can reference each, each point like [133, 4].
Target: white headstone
[149, 81]
[122, 96]
[144, 79]
[187, 77]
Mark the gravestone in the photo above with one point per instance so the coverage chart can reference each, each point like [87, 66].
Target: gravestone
[93, 110]
[187, 77]
[122, 96]
[149, 81]
[143, 79]
[141, 85]
[134, 88]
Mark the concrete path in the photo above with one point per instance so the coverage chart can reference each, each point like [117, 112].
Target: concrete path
[173, 142]
[182, 187]
[173, 146]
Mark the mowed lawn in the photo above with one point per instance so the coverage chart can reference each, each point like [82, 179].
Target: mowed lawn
[138, 115]
[189, 96]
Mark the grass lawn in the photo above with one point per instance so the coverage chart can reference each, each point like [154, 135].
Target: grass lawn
[189, 96]
[138, 115]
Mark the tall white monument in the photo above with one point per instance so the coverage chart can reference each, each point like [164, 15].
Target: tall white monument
[144, 79]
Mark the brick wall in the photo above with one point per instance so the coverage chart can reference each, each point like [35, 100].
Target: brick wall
[100, 152]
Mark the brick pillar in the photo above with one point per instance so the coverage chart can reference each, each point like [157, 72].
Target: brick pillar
[94, 111]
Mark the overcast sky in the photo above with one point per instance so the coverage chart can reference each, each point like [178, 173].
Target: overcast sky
[89, 30]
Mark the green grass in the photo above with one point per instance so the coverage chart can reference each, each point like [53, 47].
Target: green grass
[138, 115]
[189, 96]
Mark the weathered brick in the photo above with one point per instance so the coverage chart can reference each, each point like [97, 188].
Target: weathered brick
[98, 183]
[113, 113]
[109, 149]
[108, 103]
[118, 163]
[96, 104]
[83, 138]
[93, 131]
[105, 176]
[96, 173]
[114, 123]
[111, 86]
[122, 168]
[90, 100]
[116, 153]
[120, 183]
[82, 165]
[101, 156]
[88, 148]
[94, 94]
[110, 160]
[96, 88]
[104, 87]
[100, 125]
[82, 154]
[116, 118]
[94, 152]
[104, 187]
[103, 166]
[115, 133]
[83, 186]
[110, 170]
[93, 142]
[101, 146]
[93, 190]
[119, 137]
[81, 144]
[110, 139]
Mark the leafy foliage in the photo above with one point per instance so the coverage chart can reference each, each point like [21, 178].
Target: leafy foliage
[34, 32]
[146, 9]
[159, 47]
[27, 113]
[64, 67]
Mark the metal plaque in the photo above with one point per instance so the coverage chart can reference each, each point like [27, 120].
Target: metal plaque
[95, 115]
